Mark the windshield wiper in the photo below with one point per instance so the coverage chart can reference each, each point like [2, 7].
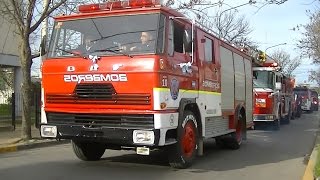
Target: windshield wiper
[73, 53]
[116, 51]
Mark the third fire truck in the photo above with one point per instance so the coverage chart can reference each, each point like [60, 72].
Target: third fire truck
[185, 86]
[273, 92]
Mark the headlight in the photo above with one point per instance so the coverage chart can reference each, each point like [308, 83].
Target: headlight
[49, 131]
[143, 137]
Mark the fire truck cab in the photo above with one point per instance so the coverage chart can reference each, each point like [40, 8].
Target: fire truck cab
[148, 78]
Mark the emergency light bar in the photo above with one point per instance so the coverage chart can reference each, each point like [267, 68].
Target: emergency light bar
[110, 5]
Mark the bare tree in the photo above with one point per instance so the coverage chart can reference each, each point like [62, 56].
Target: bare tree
[22, 14]
[310, 42]
[232, 27]
[6, 79]
[287, 64]
[315, 76]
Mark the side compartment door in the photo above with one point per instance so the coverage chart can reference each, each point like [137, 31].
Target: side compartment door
[227, 80]
[249, 90]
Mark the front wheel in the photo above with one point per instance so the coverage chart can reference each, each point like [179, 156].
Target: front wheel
[182, 154]
[299, 112]
[88, 151]
[276, 125]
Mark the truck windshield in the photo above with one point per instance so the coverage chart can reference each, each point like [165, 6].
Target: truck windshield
[108, 36]
[263, 79]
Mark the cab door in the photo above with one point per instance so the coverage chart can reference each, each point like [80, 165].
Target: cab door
[209, 79]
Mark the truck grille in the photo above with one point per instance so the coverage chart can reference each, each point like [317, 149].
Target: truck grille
[103, 120]
[94, 91]
[103, 94]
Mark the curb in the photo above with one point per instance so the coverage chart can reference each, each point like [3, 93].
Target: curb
[17, 147]
[309, 172]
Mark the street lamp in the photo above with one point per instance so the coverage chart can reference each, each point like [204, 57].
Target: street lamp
[219, 20]
[281, 44]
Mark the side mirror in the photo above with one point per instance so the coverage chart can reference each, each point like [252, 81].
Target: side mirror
[187, 40]
[255, 75]
[43, 45]
[278, 86]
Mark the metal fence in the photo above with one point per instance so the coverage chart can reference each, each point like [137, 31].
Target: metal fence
[7, 110]
[11, 109]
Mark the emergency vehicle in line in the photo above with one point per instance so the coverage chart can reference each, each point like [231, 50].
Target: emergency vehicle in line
[305, 93]
[274, 98]
[189, 86]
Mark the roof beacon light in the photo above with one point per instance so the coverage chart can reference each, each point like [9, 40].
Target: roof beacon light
[143, 3]
[89, 8]
[118, 4]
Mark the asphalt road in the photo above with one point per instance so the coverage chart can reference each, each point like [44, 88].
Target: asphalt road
[265, 155]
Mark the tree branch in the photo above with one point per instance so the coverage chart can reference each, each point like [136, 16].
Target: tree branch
[46, 13]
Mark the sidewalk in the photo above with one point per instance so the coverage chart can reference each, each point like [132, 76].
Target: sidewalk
[10, 140]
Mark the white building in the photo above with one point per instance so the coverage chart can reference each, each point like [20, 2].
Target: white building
[9, 56]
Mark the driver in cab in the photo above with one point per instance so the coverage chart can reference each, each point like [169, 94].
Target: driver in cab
[146, 44]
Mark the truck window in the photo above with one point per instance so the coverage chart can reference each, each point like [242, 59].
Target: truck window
[208, 50]
[263, 79]
[161, 34]
[111, 34]
[176, 38]
[68, 40]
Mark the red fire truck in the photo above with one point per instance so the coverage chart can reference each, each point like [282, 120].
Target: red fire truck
[151, 79]
[306, 97]
[273, 93]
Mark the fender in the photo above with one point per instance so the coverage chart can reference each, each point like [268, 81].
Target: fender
[236, 114]
[183, 103]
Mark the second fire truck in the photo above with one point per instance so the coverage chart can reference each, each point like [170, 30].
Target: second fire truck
[273, 92]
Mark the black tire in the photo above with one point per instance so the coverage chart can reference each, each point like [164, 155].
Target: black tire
[182, 154]
[276, 125]
[88, 151]
[286, 119]
[293, 116]
[299, 112]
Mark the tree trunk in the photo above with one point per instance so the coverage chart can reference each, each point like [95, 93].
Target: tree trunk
[26, 88]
